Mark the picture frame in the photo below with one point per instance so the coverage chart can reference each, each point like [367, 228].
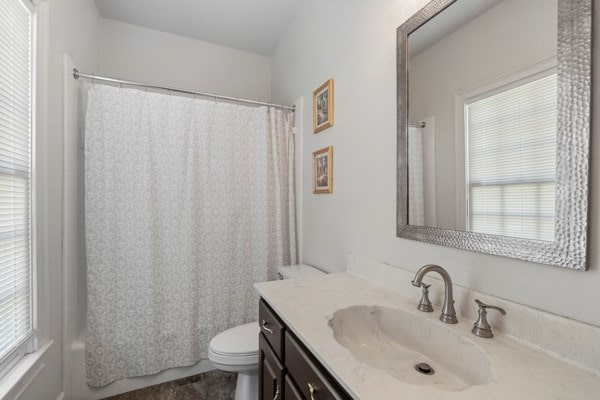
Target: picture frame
[323, 107]
[323, 170]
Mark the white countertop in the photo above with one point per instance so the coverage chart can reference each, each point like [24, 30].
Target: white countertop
[521, 372]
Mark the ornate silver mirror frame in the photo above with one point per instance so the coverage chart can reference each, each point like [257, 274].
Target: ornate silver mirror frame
[569, 249]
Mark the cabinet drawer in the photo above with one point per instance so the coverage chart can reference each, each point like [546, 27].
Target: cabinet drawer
[306, 373]
[272, 327]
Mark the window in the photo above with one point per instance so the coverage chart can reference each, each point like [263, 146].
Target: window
[16, 126]
[511, 164]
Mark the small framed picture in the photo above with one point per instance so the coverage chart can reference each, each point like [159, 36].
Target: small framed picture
[323, 107]
[323, 170]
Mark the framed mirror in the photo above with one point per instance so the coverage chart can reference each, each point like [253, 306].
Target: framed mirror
[494, 103]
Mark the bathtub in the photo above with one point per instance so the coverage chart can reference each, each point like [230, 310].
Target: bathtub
[81, 391]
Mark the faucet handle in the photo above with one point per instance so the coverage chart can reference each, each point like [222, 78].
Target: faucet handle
[483, 306]
[425, 304]
[481, 327]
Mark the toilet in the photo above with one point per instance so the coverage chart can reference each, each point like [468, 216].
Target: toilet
[236, 349]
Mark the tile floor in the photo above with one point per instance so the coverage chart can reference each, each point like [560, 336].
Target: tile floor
[212, 385]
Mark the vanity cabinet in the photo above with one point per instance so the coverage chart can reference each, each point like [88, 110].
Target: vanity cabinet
[287, 370]
[271, 371]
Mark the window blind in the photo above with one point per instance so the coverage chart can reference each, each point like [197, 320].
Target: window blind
[16, 327]
[511, 165]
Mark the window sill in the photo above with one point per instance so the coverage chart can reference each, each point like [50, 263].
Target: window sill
[21, 376]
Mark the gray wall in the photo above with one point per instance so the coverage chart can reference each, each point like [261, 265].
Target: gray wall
[354, 42]
[141, 54]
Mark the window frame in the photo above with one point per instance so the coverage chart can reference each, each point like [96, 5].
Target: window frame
[487, 88]
[27, 363]
[506, 184]
[27, 344]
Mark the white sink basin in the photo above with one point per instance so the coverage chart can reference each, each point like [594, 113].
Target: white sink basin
[396, 341]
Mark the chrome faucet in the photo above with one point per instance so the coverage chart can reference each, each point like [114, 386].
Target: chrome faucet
[448, 314]
[481, 327]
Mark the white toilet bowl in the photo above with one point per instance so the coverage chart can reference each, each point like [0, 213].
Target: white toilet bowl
[236, 349]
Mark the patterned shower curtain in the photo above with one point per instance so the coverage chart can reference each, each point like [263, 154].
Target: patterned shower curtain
[188, 202]
[416, 201]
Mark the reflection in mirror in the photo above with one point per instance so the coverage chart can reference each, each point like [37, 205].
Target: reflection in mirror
[494, 110]
[482, 110]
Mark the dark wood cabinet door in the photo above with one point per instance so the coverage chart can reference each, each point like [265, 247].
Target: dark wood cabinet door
[270, 384]
[290, 390]
[310, 378]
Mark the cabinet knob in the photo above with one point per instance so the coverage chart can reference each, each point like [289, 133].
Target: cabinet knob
[266, 328]
[312, 391]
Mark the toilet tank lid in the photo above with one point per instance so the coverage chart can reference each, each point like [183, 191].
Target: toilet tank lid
[298, 271]
[240, 340]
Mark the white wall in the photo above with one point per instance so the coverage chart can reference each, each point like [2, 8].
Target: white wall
[73, 29]
[354, 42]
[146, 55]
[472, 55]
[74, 261]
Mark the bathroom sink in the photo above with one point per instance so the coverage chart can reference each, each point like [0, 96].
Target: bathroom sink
[411, 348]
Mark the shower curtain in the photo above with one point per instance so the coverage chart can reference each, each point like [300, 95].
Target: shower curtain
[188, 202]
[416, 201]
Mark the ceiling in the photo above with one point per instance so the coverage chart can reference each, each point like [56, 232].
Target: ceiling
[251, 25]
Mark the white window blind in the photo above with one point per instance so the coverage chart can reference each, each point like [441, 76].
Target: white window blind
[511, 166]
[16, 327]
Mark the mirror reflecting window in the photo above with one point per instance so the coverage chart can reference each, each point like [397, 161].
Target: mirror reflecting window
[510, 160]
[493, 127]
[488, 164]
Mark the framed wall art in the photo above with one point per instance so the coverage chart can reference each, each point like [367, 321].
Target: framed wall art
[323, 170]
[323, 107]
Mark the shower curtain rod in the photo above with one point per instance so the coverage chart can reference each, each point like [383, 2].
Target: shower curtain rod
[417, 124]
[77, 75]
